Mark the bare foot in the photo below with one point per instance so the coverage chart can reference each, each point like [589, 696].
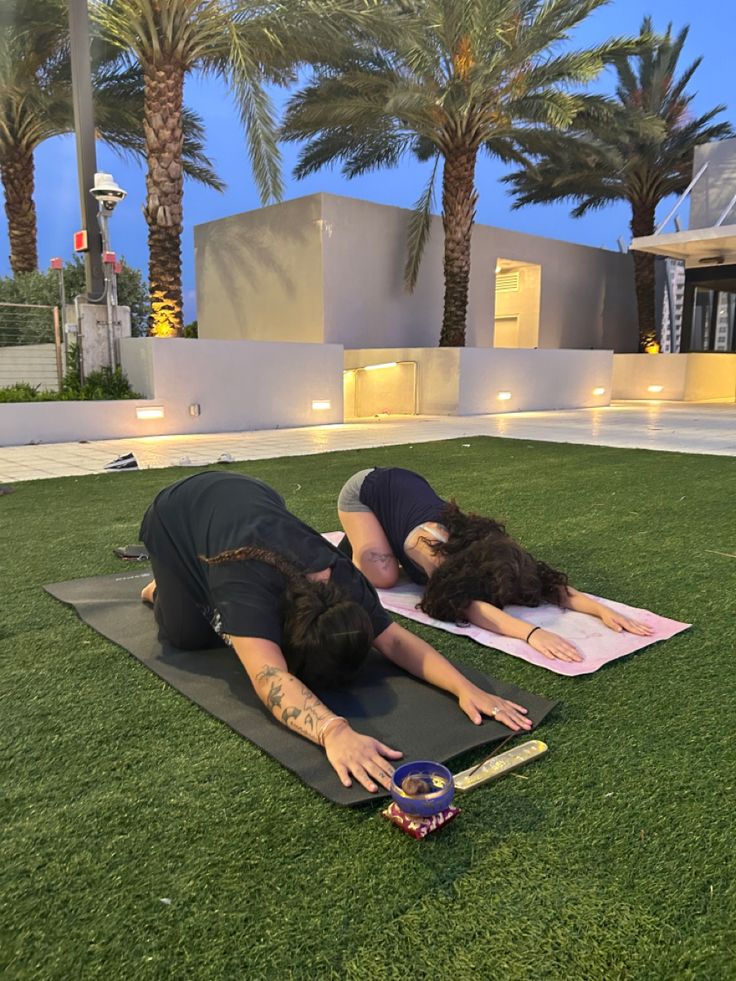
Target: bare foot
[148, 591]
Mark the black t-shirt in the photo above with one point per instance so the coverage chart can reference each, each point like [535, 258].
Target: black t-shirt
[210, 513]
[401, 500]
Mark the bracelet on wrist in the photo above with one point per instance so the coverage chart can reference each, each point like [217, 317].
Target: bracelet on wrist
[531, 632]
[322, 731]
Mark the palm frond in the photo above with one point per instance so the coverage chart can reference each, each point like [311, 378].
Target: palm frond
[420, 223]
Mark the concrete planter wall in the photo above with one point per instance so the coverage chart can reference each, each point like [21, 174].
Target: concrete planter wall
[469, 381]
[234, 385]
[675, 377]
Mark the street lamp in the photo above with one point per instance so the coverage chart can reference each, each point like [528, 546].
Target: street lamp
[107, 193]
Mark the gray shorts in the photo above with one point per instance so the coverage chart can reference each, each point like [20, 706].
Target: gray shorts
[349, 497]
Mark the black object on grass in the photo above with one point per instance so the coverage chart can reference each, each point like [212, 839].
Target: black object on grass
[136, 553]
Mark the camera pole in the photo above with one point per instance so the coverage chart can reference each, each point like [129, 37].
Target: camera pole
[84, 127]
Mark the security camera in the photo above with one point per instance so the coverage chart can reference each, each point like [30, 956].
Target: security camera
[107, 191]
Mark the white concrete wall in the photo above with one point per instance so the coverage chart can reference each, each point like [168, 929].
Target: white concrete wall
[31, 363]
[710, 377]
[328, 268]
[682, 377]
[259, 274]
[535, 379]
[239, 385]
[466, 381]
[587, 294]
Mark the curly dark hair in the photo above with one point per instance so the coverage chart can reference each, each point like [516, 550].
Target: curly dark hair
[327, 636]
[463, 529]
[482, 562]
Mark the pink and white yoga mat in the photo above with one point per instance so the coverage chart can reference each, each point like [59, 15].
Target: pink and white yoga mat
[596, 642]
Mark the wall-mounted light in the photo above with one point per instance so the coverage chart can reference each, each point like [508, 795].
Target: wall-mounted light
[599, 391]
[655, 389]
[503, 396]
[195, 409]
[150, 411]
[321, 404]
[374, 367]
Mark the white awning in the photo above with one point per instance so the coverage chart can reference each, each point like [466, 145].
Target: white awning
[699, 247]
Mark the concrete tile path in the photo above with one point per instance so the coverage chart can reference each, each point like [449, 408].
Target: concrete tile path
[673, 426]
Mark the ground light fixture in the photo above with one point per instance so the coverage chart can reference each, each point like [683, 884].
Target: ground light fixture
[599, 391]
[503, 396]
[655, 389]
[319, 405]
[150, 411]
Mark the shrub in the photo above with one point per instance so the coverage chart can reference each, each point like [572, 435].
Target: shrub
[21, 392]
[103, 385]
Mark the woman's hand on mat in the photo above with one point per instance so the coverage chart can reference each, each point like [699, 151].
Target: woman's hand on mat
[553, 646]
[618, 622]
[363, 757]
[476, 703]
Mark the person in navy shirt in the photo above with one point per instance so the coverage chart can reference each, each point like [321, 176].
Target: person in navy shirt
[470, 566]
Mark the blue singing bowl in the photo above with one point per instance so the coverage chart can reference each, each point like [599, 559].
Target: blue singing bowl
[424, 805]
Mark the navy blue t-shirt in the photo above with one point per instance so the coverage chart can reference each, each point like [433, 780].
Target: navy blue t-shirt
[401, 500]
[212, 512]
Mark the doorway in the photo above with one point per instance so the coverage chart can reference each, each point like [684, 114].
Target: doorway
[517, 300]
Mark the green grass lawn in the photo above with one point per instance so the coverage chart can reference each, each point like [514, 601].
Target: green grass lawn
[612, 858]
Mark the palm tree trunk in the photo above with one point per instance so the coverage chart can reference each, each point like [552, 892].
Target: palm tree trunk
[642, 223]
[162, 123]
[458, 212]
[17, 173]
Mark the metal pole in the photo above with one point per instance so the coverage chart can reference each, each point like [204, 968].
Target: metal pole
[57, 345]
[102, 217]
[682, 197]
[62, 301]
[725, 211]
[84, 125]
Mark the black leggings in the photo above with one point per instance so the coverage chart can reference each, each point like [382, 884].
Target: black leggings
[178, 614]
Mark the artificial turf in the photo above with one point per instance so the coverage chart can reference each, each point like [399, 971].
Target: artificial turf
[143, 839]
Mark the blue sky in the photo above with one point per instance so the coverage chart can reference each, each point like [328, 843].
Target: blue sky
[56, 183]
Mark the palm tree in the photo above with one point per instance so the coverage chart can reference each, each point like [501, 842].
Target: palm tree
[642, 154]
[170, 39]
[246, 43]
[36, 104]
[461, 77]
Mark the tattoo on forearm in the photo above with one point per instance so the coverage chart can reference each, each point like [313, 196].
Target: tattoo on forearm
[304, 717]
[275, 695]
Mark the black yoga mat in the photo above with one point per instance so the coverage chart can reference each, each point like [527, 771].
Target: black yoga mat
[384, 701]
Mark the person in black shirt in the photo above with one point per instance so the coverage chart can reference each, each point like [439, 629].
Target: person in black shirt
[471, 567]
[230, 560]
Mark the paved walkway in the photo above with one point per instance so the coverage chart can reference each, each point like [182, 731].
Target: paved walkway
[675, 426]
